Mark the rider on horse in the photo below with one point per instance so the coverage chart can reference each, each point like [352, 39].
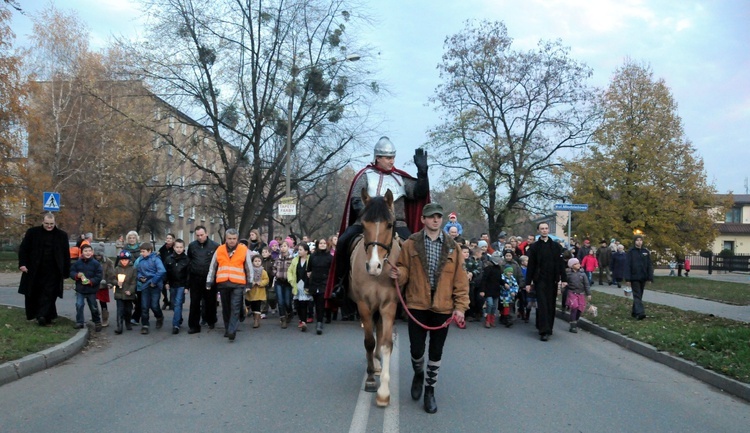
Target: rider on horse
[409, 195]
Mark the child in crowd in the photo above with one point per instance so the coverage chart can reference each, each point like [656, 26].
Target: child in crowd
[672, 268]
[176, 266]
[589, 265]
[492, 281]
[125, 290]
[453, 222]
[467, 257]
[510, 260]
[257, 294]
[528, 299]
[270, 303]
[508, 291]
[474, 267]
[87, 273]
[578, 292]
[108, 277]
[687, 267]
[151, 276]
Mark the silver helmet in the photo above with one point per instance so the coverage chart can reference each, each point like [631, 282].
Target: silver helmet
[384, 147]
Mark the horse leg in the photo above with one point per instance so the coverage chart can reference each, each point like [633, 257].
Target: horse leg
[385, 343]
[366, 317]
[378, 319]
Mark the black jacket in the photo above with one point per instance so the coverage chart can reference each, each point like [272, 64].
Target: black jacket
[177, 269]
[320, 263]
[638, 266]
[546, 265]
[200, 256]
[30, 254]
[492, 279]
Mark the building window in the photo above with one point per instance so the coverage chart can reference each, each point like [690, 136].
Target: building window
[169, 178]
[192, 212]
[169, 150]
[728, 245]
[169, 208]
[203, 218]
[154, 207]
[157, 113]
[183, 129]
[23, 202]
[182, 210]
[734, 215]
[171, 123]
[23, 219]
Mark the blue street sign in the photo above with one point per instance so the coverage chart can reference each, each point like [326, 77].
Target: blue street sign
[51, 201]
[572, 207]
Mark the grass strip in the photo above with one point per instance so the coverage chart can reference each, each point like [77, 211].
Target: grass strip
[714, 343]
[20, 337]
[719, 291]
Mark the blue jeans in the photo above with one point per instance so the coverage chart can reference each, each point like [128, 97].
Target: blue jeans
[284, 297]
[91, 300]
[491, 304]
[177, 295]
[150, 300]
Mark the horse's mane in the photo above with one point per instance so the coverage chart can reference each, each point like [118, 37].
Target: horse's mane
[377, 210]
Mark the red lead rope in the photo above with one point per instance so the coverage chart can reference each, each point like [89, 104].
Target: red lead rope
[429, 328]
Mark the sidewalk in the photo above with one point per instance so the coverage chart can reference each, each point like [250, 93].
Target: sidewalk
[740, 313]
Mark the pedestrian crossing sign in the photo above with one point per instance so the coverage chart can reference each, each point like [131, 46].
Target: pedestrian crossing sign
[51, 201]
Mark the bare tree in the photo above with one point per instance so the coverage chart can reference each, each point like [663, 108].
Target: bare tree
[507, 117]
[244, 69]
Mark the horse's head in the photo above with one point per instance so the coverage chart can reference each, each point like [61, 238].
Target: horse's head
[378, 221]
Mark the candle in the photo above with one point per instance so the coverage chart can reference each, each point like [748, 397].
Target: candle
[120, 279]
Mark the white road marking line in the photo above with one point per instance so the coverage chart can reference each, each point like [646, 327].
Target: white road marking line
[362, 410]
[390, 419]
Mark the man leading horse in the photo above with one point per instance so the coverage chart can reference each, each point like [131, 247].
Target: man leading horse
[409, 197]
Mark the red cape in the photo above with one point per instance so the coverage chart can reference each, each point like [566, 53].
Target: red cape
[413, 210]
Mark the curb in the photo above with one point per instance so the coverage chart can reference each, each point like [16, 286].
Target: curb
[14, 370]
[721, 382]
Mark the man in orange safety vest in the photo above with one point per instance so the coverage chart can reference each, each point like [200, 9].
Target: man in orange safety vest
[232, 270]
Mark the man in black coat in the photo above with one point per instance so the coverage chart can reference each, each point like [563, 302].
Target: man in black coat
[638, 270]
[200, 252]
[546, 268]
[44, 260]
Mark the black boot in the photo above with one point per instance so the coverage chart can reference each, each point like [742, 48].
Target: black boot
[339, 290]
[418, 381]
[429, 399]
[416, 385]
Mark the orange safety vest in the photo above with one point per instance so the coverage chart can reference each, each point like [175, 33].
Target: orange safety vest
[231, 268]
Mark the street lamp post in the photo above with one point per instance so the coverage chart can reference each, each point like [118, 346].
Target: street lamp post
[290, 107]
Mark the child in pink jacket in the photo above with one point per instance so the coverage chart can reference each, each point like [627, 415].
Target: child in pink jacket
[589, 265]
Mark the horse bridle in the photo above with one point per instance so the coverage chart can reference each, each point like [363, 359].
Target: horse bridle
[388, 247]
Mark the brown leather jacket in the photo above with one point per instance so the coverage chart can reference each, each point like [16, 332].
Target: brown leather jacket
[452, 291]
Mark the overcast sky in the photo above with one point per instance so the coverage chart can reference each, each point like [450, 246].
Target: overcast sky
[699, 47]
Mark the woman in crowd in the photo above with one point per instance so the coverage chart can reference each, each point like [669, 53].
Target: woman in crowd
[320, 263]
[283, 286]
[133, 246]
[299, 277]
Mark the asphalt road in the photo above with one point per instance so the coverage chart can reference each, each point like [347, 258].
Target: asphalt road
[286, 381]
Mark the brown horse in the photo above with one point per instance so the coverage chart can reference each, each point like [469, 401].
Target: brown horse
[373, 290]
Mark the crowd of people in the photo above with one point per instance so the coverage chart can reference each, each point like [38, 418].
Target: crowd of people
[287, 277]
